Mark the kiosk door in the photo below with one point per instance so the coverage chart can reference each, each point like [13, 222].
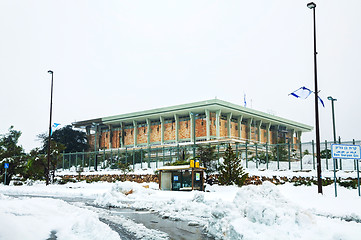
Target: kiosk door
[198, 181]
[166, 181]
[176, 181]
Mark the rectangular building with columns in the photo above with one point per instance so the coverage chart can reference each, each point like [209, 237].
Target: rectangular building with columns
[199, 122]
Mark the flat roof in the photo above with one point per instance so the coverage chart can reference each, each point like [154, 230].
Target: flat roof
[179, 167]
[198, 107]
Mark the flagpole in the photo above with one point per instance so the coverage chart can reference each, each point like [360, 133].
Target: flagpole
[318, 150]
[47, 174]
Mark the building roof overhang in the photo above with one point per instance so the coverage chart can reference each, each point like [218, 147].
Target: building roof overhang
[178, 168]
[196, 108]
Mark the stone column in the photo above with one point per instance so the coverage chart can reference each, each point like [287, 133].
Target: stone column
[110, 136]
[121, 137]
[149, 123]
[299, 134]
[161, 130]
[239, 121]
[229, 122]
[176, 118]
[259, 131]
[192, 116]
[87, 129]
[268, 126]
[249, 126]
[292, 132]
[208, 124]
[218, 117]
[135, 132]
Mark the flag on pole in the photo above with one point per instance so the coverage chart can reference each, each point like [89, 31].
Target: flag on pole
[53, 127]
[321, 101]
[304, 93]
[244, 100]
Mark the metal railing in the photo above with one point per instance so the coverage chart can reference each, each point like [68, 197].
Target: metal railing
[283, 156]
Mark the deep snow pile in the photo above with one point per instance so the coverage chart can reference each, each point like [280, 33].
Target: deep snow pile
[226, 212]
[250, 212]
[258, 212]
[36, 218]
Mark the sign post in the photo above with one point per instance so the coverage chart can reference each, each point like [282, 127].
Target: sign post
[334, 175]
[358, 178]
[346, 152]
[6, 166]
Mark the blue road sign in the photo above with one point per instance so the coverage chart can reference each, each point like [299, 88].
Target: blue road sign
[6, 165]
[346, 151]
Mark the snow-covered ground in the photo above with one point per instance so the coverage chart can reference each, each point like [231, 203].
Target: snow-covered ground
[36, 218]
[226, 212]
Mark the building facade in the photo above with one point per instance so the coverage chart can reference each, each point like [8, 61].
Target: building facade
[199, 122]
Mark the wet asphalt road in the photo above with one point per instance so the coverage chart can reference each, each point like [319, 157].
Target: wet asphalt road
[149, 223]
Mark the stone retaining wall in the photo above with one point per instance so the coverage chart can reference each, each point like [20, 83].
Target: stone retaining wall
[252, 180]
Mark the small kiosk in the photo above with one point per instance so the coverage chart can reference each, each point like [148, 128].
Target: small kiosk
[181, 178]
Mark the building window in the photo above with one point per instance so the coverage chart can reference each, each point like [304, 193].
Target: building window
[186, 125]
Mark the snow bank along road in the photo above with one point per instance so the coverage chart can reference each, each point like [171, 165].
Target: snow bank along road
[250, 212]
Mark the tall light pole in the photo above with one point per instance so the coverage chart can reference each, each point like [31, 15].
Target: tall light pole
[312, 6]
[49, 139]
[333, 117]
[333, 121]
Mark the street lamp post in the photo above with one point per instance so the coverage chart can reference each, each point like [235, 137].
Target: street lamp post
[333, 120]
[312, 6]
[333, 117]
[49, 139]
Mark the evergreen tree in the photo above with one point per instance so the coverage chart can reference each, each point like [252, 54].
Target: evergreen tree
[125, 168]
[280, 151]
[231, 170]
[37, 165]
[73, 140]
[56, 155]
[12, 153]
[207, 158]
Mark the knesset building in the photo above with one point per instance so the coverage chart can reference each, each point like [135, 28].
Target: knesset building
[211, 121]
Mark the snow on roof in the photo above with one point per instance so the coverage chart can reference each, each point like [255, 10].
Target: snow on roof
[179, 167]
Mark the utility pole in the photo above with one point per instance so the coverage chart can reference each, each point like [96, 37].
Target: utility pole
[49, 139]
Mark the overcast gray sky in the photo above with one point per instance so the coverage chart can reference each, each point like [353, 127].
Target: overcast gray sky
[114, 57]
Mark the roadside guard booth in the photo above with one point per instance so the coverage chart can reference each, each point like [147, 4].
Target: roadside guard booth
[182, 177]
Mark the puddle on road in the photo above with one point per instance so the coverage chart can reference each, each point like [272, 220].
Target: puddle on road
[177, 230]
